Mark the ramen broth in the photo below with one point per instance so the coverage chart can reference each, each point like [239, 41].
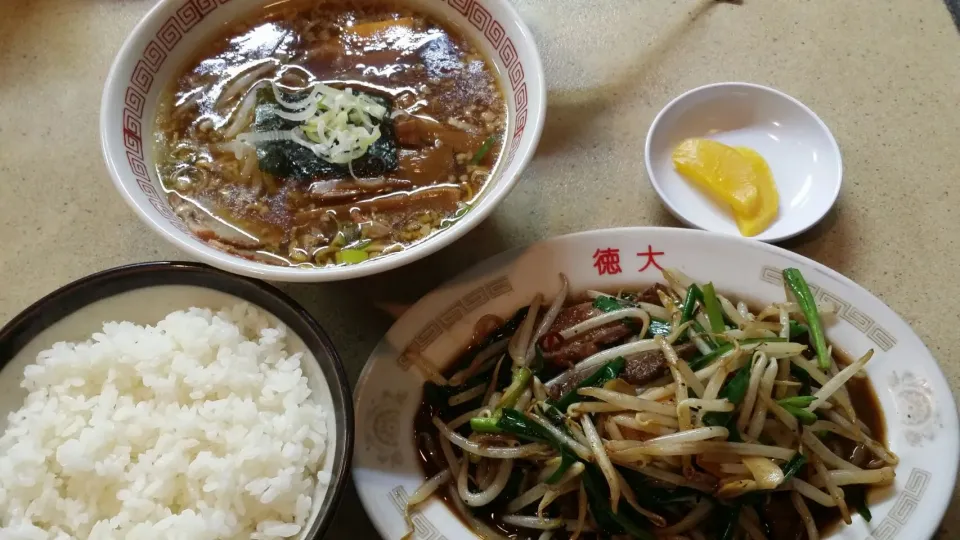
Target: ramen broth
[251, 176]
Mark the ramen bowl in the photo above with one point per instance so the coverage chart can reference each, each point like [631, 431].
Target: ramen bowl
[175, 31]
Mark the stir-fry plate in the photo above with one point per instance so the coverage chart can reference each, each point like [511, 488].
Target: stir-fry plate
[919, 411]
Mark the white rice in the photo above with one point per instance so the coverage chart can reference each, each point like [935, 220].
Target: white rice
[201, 427]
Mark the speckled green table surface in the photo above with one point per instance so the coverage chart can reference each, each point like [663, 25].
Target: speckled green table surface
[885, 76]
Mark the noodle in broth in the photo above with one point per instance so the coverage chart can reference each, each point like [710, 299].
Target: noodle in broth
[329, 133]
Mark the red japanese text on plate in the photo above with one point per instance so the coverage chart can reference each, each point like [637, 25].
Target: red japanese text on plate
[651, 256]
[606, 260]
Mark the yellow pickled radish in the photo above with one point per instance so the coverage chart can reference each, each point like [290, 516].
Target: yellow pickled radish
[721, 171]
[754, 224]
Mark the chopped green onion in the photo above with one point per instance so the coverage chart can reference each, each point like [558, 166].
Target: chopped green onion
[625, 519]
[797, 330]
[517, 423]
[659, 327]
[485, 424]
[703, 361]
[553, 414]
[700, 331]
[340, 129]
[801, 375]
[729, 521]
[511, 421]
[651, 495]
[351, 256]
[521, 377]
[857, 497]
[711, 305]
[690, 303]
[607, 304]
[482, 151]
[797, 401]
[793, 466]
[514, 421]
[714, 418]
[611, 370]
[538, 362]
[734, 391]
[808, 305]
[864, 511]
[505, 330]
[460, 212]
[805, 416]
[567, 458]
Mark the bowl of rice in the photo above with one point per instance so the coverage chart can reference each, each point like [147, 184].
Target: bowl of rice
[170, 400]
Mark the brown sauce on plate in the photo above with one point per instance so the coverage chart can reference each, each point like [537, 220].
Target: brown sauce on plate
[862, 394]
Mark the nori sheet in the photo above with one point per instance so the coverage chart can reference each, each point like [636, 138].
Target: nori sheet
[287, 159]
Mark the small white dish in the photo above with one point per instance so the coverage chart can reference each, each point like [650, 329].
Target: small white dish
[919, 409]
[802, 153]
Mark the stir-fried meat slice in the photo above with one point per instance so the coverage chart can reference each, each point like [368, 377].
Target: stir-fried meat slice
[650, 295]
[575, 350]
[651, 365]
[570, 352]
[574, 314]
[640, 369]
[557, 391]
[782, 518]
